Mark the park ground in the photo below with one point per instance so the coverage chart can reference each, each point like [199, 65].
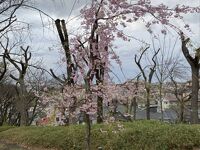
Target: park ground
[147, 135]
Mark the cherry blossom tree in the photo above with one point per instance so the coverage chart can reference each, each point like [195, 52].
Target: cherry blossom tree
[102, 18]
[92, 48]
[128, 94]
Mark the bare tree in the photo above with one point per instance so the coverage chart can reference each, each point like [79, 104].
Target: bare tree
[135, 98]
[3, 67]
[166, 61]
[69, 58]
[21, 66]
[7, 101]
[183, 96]
[195, 65]
[8, 9]
[36, 81]
[147, 78]
[70, 67]
[7, 13]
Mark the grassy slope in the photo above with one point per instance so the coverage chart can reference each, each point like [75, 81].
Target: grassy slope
[138, 135]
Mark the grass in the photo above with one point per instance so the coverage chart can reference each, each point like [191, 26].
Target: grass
[4, 128]
[147, 135]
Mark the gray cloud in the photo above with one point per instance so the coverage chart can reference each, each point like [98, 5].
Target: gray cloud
[59, 8]
[46, 37]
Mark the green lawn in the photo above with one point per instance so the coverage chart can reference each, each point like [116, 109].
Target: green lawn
[149, 135]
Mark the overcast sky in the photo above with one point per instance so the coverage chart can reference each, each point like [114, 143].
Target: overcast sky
[45, 42]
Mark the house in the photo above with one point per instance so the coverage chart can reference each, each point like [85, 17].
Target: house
[54, 117]
[168, 101]
[169, 115]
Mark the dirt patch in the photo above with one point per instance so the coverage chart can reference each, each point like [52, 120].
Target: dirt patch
[11, 146]
[5, 146]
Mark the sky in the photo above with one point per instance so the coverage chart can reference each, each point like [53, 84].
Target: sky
[45, 43]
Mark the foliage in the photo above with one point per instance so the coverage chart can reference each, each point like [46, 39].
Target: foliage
[138, 135]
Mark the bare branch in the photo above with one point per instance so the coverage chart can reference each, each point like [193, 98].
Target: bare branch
[138, 62]
[57, 78]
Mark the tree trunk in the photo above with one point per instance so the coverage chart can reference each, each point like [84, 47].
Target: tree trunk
[161, 102]
[181, 111]
[23, 104]
[127, 106]
[88, 131]
[23, 112]
[134, 105]
[63, 34]
[99, 109]
[87, 117]
[34, 113]
[1, 120]
[2, 116]
[23, 119]
[130, 107]
[194, 63]
[4, 119]
[99, 81]
[115, 104]
[148, 105]
[194, 98]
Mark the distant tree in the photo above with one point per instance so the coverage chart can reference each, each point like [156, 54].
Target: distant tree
[147, 77]
[167, 62]
[128, 94]
[133, 106]
[8, 95]
[183, 96]
[36, 83]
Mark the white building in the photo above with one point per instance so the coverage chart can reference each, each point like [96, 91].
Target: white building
[168, 101]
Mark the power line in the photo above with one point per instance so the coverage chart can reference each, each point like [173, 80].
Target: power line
[72, 10]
